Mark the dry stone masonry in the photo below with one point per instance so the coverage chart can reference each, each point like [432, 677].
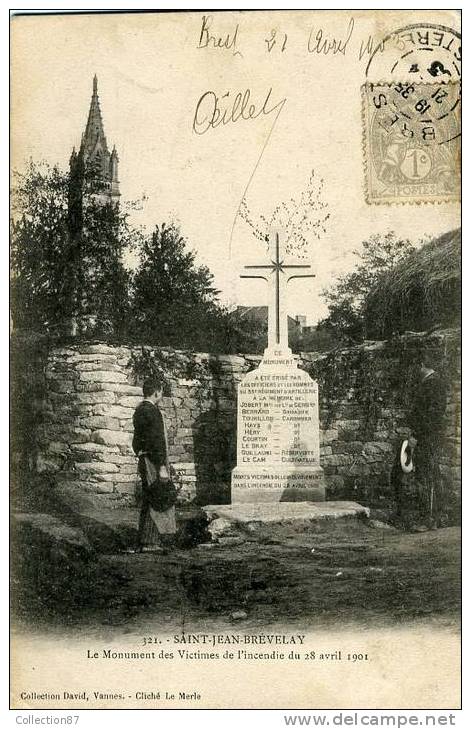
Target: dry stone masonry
[81, 428]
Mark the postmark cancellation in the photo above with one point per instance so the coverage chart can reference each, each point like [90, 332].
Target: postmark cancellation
[411, 142]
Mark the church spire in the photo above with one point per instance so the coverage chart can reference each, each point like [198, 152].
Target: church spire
[94, 140]
[95, 153]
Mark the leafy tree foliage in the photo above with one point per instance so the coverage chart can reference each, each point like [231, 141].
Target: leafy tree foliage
[66, 254]
[39, 246]
[347, 297]
[174, 300]
[68, 275]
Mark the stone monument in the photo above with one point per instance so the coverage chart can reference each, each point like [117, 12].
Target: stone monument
[277, 407]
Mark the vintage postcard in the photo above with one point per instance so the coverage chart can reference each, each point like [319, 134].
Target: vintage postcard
[235, 341]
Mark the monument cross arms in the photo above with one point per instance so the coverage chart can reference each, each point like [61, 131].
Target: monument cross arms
[277, 315]
[278, 454]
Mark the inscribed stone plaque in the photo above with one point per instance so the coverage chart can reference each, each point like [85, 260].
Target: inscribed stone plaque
[277, 435]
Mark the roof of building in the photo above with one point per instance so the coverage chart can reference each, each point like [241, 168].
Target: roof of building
[421, 292]
[258, 313]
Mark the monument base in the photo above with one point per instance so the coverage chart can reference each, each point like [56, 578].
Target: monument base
[252, 485]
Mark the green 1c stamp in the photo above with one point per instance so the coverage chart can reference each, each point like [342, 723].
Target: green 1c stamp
[411, 139]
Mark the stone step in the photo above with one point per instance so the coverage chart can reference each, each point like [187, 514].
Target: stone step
[229, 519]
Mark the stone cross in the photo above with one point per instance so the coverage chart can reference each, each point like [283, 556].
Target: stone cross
[276, 276]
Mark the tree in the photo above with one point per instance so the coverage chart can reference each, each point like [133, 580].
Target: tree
[66, 254]
[346, 298]
[174, 301]
[104, 291]
[68, 274]
[39, 245]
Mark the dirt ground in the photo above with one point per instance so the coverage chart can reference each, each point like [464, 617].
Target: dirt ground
[357, 575]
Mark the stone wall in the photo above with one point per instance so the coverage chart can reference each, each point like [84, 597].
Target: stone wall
[367, 393]
[86, 394]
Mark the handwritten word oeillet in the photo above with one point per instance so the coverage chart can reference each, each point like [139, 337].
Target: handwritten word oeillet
[212, 111]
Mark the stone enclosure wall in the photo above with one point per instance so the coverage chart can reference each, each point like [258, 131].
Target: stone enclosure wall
[72, 410]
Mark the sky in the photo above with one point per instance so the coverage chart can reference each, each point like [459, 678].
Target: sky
[158, 72]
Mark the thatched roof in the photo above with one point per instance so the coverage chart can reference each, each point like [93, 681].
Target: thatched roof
[421, 292]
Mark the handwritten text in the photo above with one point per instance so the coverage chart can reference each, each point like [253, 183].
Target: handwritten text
[212, 111]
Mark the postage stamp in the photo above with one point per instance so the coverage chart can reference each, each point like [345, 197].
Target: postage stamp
[411, 138]
[411, 116]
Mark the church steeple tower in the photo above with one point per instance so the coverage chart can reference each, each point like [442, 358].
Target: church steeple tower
[95, 153]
